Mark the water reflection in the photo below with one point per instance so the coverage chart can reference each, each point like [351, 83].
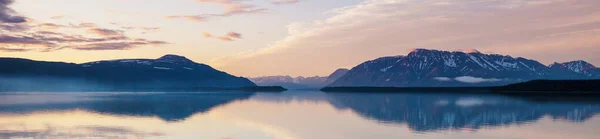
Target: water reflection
[167, 106]
[308, 114]
[80, 132]
[427, 112]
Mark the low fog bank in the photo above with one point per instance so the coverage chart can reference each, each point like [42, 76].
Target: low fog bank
[78, 84]
[48, 84]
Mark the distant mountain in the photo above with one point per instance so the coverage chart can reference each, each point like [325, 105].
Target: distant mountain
[167, 72]
[575, 70]
[427, 68]
[299, 82]
[290, 82]
[335, 75]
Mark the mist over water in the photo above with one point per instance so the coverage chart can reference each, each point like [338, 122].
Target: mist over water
[37, 83]
[292, 114]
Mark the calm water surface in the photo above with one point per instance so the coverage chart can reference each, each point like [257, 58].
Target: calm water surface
[293, 115]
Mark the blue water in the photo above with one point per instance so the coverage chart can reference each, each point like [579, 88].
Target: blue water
[294, 115]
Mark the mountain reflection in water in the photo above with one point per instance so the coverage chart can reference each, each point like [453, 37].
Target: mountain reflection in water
[166, 106]
[305, 114]
[425, 112]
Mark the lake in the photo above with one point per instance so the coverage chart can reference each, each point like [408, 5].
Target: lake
[293, 115]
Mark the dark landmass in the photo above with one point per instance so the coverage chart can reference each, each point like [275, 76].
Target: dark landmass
[531, 88]
[552, 88]
[407, 89]
[165, 73]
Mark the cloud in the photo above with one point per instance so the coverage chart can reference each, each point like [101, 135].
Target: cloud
[230, 36]
[234, 35]
[19, 35]
[84, 25]
[7, 15]
[196, 18]
[105, 32]
[207, 35]
[233, 7]
[531, 29]
[224, 38]
[44, 37]
[142, 30]
[116, 45]
[444, 79]
[51, 26]
[150, 28]
[13, 27]
[52, 41]
[469, 79]
[279, 2]
[58, 17]
[23, 40]
[13, 49]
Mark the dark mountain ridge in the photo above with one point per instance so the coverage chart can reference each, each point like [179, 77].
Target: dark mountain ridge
[167, 72]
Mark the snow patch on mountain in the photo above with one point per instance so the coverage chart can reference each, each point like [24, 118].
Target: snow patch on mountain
[530, 68]
[450, 62]
[386, 68]
[474, 59]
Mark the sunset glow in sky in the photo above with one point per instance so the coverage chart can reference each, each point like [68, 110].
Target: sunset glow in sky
[296, 37]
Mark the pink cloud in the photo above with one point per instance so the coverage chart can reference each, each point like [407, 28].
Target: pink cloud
[224, 38]
[565, 29]
[234, 35]
[197, 18]
[105, 32]
[233, 7]
[278, 2]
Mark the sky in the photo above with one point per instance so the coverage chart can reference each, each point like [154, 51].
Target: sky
[296, 37]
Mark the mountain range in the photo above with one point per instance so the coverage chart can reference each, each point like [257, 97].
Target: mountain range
[428, 68]
[420, 68]
[299, 82]
[167, 72]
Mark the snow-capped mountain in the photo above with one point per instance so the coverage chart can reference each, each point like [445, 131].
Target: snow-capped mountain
[423, 67]
[576, 69]
[167, 72]
[299, 82]
[164, 63]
